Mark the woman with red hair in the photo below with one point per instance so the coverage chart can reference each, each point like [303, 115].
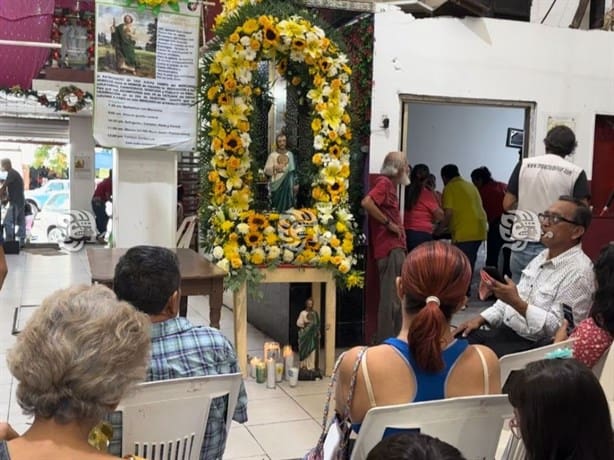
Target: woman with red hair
[425, 361]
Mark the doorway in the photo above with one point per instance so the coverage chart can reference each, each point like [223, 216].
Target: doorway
[467, 132]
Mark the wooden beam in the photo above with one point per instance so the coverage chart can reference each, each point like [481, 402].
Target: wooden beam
[577, 19]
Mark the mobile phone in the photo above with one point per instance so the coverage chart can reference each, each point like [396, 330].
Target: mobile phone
[568, 315]
[494, 273]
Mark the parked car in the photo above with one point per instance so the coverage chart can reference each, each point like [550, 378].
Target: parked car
[39, 196]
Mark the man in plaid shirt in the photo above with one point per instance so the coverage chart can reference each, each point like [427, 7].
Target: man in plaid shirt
[148, 277]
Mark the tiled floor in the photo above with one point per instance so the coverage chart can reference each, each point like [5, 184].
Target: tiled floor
[283, 423]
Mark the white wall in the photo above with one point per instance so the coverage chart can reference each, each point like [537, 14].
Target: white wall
[81, 143]
[468, 136]
[567, 73]
[144, 198]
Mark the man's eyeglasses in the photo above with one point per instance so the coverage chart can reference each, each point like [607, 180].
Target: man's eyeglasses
[554, 219]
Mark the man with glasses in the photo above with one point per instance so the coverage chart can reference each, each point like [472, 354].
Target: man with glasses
[527, 315]
[538, 181]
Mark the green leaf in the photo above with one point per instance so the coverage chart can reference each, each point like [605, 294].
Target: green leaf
[174, 6]
[142, 7]
[156, 10]
[128, 2]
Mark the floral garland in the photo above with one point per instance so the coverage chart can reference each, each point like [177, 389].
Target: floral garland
[155, 5]
[69, 98]
[84, 20]
[241, 239]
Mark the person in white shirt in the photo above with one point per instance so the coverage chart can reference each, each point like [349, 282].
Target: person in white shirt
[538, 181]
[527, 315]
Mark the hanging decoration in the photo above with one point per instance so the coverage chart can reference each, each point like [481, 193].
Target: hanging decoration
[156, 5]
[63, 19]
[69, 98]
[241, 239]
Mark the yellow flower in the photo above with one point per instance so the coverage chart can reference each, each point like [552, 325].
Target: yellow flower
[270, 35]
[253, 238]
[336, 260]
[250, 26]
[212, 92]
[317, 159]
[219, 188]
[347, 246]
[344, 266]
[257, 257]
[254, 44]
[334, 242]
[213, 176]
[239, 200]
[257, 220]
[230, 84]
[243, 126]
[341, 227]
[319, 194]
[298, 44]
[226, 225]
[233, 163]
[354, 279]
[271, 239]
[264, 21]
[236, 262]
[232, 142]
[234, 37]
[316, 125]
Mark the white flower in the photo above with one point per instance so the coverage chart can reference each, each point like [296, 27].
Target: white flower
[244, 40]
[325, 251]
[218, 252]
[288, 255]
[345, 266]
[242, 248]
[343, 215]
[274, 252]
[268, 230]
[243, 228]
[327, 236]
[318, 142]
[224, 265]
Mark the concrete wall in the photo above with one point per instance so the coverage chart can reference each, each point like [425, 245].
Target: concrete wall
[81, 144]
[566, 73]
[469, 136]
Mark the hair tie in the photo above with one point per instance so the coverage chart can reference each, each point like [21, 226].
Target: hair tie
[433, 298]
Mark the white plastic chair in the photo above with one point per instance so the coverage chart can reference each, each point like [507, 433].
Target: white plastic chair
[185, 231]
[472, 424]
[166, 419]
[517, 361]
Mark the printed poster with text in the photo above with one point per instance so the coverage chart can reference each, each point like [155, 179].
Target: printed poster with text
[146, 71]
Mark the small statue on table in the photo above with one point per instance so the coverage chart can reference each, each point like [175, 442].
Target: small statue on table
[308, 323]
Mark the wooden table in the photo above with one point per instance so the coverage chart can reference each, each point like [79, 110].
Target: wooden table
[290, 274]
[198, 277]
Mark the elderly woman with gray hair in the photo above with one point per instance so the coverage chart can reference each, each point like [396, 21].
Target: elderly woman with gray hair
[77, 356]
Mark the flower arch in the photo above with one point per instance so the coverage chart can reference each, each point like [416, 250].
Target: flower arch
[242, 239]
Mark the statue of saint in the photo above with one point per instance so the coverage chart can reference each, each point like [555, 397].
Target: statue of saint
[308, 323]
[281, 169]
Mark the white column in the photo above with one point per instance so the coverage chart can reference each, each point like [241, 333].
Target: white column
[144, 198]
[81, 144]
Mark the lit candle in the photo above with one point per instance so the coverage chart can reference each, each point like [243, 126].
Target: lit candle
[271, 350]
[260, 372]
[288, 360]
[270, 373]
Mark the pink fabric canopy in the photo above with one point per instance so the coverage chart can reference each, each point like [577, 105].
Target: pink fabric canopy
[25, 20]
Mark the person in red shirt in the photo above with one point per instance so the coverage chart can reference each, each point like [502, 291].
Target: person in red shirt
[492, 193]
[422, 209]
[388, 239]
[102, 194]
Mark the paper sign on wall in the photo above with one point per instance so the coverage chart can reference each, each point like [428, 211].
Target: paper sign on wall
[146, 74]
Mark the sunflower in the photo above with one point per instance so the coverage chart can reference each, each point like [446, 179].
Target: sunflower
[232, 142]
[223, 99]
[270, 35]
[258, 220]
[253, 239]
[298, 44]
